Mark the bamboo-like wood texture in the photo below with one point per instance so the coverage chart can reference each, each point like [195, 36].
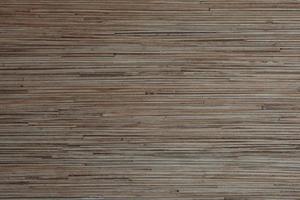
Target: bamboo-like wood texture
[150, 99]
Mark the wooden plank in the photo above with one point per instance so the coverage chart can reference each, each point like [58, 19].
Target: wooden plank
[150, 99]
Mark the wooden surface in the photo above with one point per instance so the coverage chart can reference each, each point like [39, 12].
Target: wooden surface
[150, 99]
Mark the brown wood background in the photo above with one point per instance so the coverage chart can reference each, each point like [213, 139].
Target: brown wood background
[150, 99]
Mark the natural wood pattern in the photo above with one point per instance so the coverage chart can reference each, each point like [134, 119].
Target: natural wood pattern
[150, 99]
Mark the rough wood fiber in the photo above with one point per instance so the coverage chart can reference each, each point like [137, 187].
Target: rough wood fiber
[150, 99]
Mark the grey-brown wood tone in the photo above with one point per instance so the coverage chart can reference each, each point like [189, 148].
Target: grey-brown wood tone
[150, 99]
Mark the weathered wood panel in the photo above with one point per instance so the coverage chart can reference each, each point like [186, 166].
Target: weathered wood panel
[150, 99]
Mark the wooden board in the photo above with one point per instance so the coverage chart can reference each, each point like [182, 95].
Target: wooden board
[150, 99]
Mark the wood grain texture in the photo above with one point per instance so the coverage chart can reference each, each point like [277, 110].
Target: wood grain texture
[150, 99]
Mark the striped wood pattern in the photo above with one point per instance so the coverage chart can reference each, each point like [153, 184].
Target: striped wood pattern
[150, 99]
